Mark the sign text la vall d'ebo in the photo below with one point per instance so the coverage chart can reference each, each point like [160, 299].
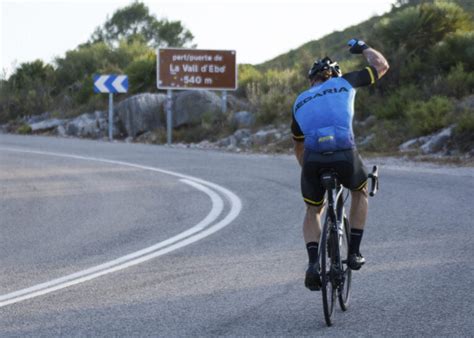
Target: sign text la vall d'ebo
[196, 69]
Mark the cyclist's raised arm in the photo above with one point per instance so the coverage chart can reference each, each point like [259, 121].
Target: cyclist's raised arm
[376, 60]
[373, 57]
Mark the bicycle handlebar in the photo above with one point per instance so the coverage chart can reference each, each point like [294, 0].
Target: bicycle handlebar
[374, 176]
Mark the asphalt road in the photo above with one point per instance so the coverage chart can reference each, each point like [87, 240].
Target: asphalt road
[240, 272]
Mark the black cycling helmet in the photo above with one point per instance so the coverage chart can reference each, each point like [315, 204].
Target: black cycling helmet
[324, 64]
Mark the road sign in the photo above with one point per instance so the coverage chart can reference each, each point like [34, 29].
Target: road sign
[110, 83]
[179, 68]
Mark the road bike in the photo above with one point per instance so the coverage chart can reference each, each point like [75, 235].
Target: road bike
[336, 275]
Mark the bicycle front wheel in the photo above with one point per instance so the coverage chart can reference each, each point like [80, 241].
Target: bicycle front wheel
[327, 290]
[345, 288]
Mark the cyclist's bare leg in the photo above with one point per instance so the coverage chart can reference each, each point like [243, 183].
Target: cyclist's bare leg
[359, 208]
[312, 223]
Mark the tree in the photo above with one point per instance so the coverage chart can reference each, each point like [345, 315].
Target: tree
[27, 91]
[135, 22]
[417, 29]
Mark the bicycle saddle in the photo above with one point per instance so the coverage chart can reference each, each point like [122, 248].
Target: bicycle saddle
[328, 178]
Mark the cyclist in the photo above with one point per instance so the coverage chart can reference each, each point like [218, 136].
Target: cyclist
[323, 138]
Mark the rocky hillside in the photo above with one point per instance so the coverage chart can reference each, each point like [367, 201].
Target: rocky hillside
[423, 106]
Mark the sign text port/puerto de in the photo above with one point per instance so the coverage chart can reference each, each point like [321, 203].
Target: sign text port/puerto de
[196, 69]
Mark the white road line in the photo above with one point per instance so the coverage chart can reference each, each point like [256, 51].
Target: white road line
[196, 233]
[217, 207]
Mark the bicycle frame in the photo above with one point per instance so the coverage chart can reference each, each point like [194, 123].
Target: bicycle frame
[335, 273]
[335, 212]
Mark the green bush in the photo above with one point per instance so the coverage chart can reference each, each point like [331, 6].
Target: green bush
[456, 83]
[365, 103]
[416, 29]
[273, 96]
[388, 135]
[425, 117]
[456, 48]
[247, 74]
[28, 91]
[24, 129]
[464, 131]
[81, 63]
[466, 123]
[395, 105]
[142, 73]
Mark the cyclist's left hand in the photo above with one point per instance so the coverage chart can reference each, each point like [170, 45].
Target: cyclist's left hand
[357, 46]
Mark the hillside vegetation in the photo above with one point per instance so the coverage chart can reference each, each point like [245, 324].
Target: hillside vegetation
[125, 44]
[429, 45]
[430, 48]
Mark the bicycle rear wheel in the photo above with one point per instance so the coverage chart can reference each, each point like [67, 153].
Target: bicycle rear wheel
[344, 292]
[327, 290]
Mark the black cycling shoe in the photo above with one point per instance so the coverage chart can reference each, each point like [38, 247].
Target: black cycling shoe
[355, 261]
[312, 280]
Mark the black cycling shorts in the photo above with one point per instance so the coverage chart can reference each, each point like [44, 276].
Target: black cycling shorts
[347, 164]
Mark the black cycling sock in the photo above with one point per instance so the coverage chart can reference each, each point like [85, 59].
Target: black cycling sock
[356, 237]
[312, 248]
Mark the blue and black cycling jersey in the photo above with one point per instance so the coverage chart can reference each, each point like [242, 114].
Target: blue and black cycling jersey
[323, 114]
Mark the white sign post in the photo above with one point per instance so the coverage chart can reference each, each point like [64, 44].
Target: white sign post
[111, 84]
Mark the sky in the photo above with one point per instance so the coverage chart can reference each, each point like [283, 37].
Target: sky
[258, 30]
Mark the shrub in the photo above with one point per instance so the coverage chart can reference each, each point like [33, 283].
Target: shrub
[456, 48]
[466, 123]
[273, 97]
[365, 103]
[388, 135]
[425, 117]
[247, 74]
[457, 82]
[417, 29]
[24, 129]
[81, 63]
[464, 131]
[394, 106]
[142, 74]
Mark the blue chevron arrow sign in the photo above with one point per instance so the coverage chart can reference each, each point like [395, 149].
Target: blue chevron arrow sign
[110, 83]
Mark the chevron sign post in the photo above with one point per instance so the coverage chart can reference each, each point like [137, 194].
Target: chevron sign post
[111, 84]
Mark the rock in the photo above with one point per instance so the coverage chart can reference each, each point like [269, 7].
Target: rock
[236, 104]
[413, 144]
[368, 122]
[203, 145]
[103, 124]
[263, 137]
[367, 140]
[243, 119]
[227, 142]
[408, 145]
[61, 131]
[189, 107]
[246, 142]
[91, 125]
[243, 138]
[46, 125]
[141, 113]
[466, 103]
[37, 118]
[437, 141]
[241, 134]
